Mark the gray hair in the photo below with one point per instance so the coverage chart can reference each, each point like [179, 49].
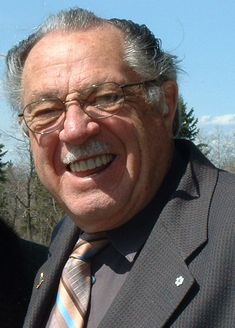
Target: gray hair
[142, 51]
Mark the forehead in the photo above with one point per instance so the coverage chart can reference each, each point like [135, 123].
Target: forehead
[99, 40]
[75, 56]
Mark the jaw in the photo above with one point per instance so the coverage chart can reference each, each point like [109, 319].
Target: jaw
[97, 199]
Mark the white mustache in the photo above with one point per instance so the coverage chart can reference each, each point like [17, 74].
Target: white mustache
[91, 148]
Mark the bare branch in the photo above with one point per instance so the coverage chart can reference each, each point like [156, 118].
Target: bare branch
[11, 136]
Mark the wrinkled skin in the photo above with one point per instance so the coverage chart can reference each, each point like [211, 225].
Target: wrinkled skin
[139, 137]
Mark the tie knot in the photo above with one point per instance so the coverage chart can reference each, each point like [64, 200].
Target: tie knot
[88, 246]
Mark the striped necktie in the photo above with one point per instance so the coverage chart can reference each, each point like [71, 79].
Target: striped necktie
[75, 284]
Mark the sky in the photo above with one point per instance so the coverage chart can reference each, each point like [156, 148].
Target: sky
[201, 33]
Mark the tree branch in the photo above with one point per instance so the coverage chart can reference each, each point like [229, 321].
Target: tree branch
[11, 136]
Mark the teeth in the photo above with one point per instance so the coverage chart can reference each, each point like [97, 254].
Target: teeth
[91, 163]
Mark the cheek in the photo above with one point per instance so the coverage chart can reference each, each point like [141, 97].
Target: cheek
[127, 131]
[154, 147]
[46, 155]
[133, 134]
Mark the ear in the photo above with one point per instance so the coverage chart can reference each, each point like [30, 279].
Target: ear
[170, 91]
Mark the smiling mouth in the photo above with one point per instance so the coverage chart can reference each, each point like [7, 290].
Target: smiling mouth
[91, 165]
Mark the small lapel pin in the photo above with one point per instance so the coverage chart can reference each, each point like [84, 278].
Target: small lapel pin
[41, 280]
[179, 280]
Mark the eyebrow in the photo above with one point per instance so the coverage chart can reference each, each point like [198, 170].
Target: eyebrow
[37, 95]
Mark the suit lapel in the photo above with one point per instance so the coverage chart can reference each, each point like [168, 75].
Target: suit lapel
[160, 278]
[150, 294]
[47, 279]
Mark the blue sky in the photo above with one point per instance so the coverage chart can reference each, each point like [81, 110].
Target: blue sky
[201, 33]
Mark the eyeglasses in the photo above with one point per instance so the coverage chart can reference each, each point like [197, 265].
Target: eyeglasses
[98, 101]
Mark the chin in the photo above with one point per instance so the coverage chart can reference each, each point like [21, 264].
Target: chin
[100, 215]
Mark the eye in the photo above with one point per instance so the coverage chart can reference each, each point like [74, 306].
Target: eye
[44, 109]
[104, 95]
[45, 113]
[107, 99]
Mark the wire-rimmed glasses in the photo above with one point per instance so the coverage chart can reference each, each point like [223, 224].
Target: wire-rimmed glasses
[98, 101]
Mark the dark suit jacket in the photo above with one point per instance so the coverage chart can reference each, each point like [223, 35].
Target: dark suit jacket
[184, 276]
[20, 261]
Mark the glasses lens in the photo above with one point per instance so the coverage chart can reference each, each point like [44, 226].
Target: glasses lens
[104, 100]
[45, 115]
[98, 101]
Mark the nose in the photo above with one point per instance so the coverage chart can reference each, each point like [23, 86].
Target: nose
[78, 126]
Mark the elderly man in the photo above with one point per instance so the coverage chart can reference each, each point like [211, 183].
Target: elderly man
[98, 100]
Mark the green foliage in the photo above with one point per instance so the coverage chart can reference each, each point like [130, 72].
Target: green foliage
[188, 127]
[2, 164]
[3, 167]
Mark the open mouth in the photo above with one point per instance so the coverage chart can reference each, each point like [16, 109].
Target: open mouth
[91, 165]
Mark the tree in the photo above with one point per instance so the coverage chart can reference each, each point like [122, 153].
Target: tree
[221, 145]
[25, 204]
[188, 123]
[3, 168]
[28, 207]
[2, 164]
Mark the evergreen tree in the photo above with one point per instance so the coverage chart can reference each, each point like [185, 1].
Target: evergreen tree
[188, 122]
[3, 199]
[2, 164]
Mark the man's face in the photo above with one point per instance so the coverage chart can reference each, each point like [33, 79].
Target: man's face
[101, 171]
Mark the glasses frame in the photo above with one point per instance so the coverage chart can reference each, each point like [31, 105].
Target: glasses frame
[82, 104]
